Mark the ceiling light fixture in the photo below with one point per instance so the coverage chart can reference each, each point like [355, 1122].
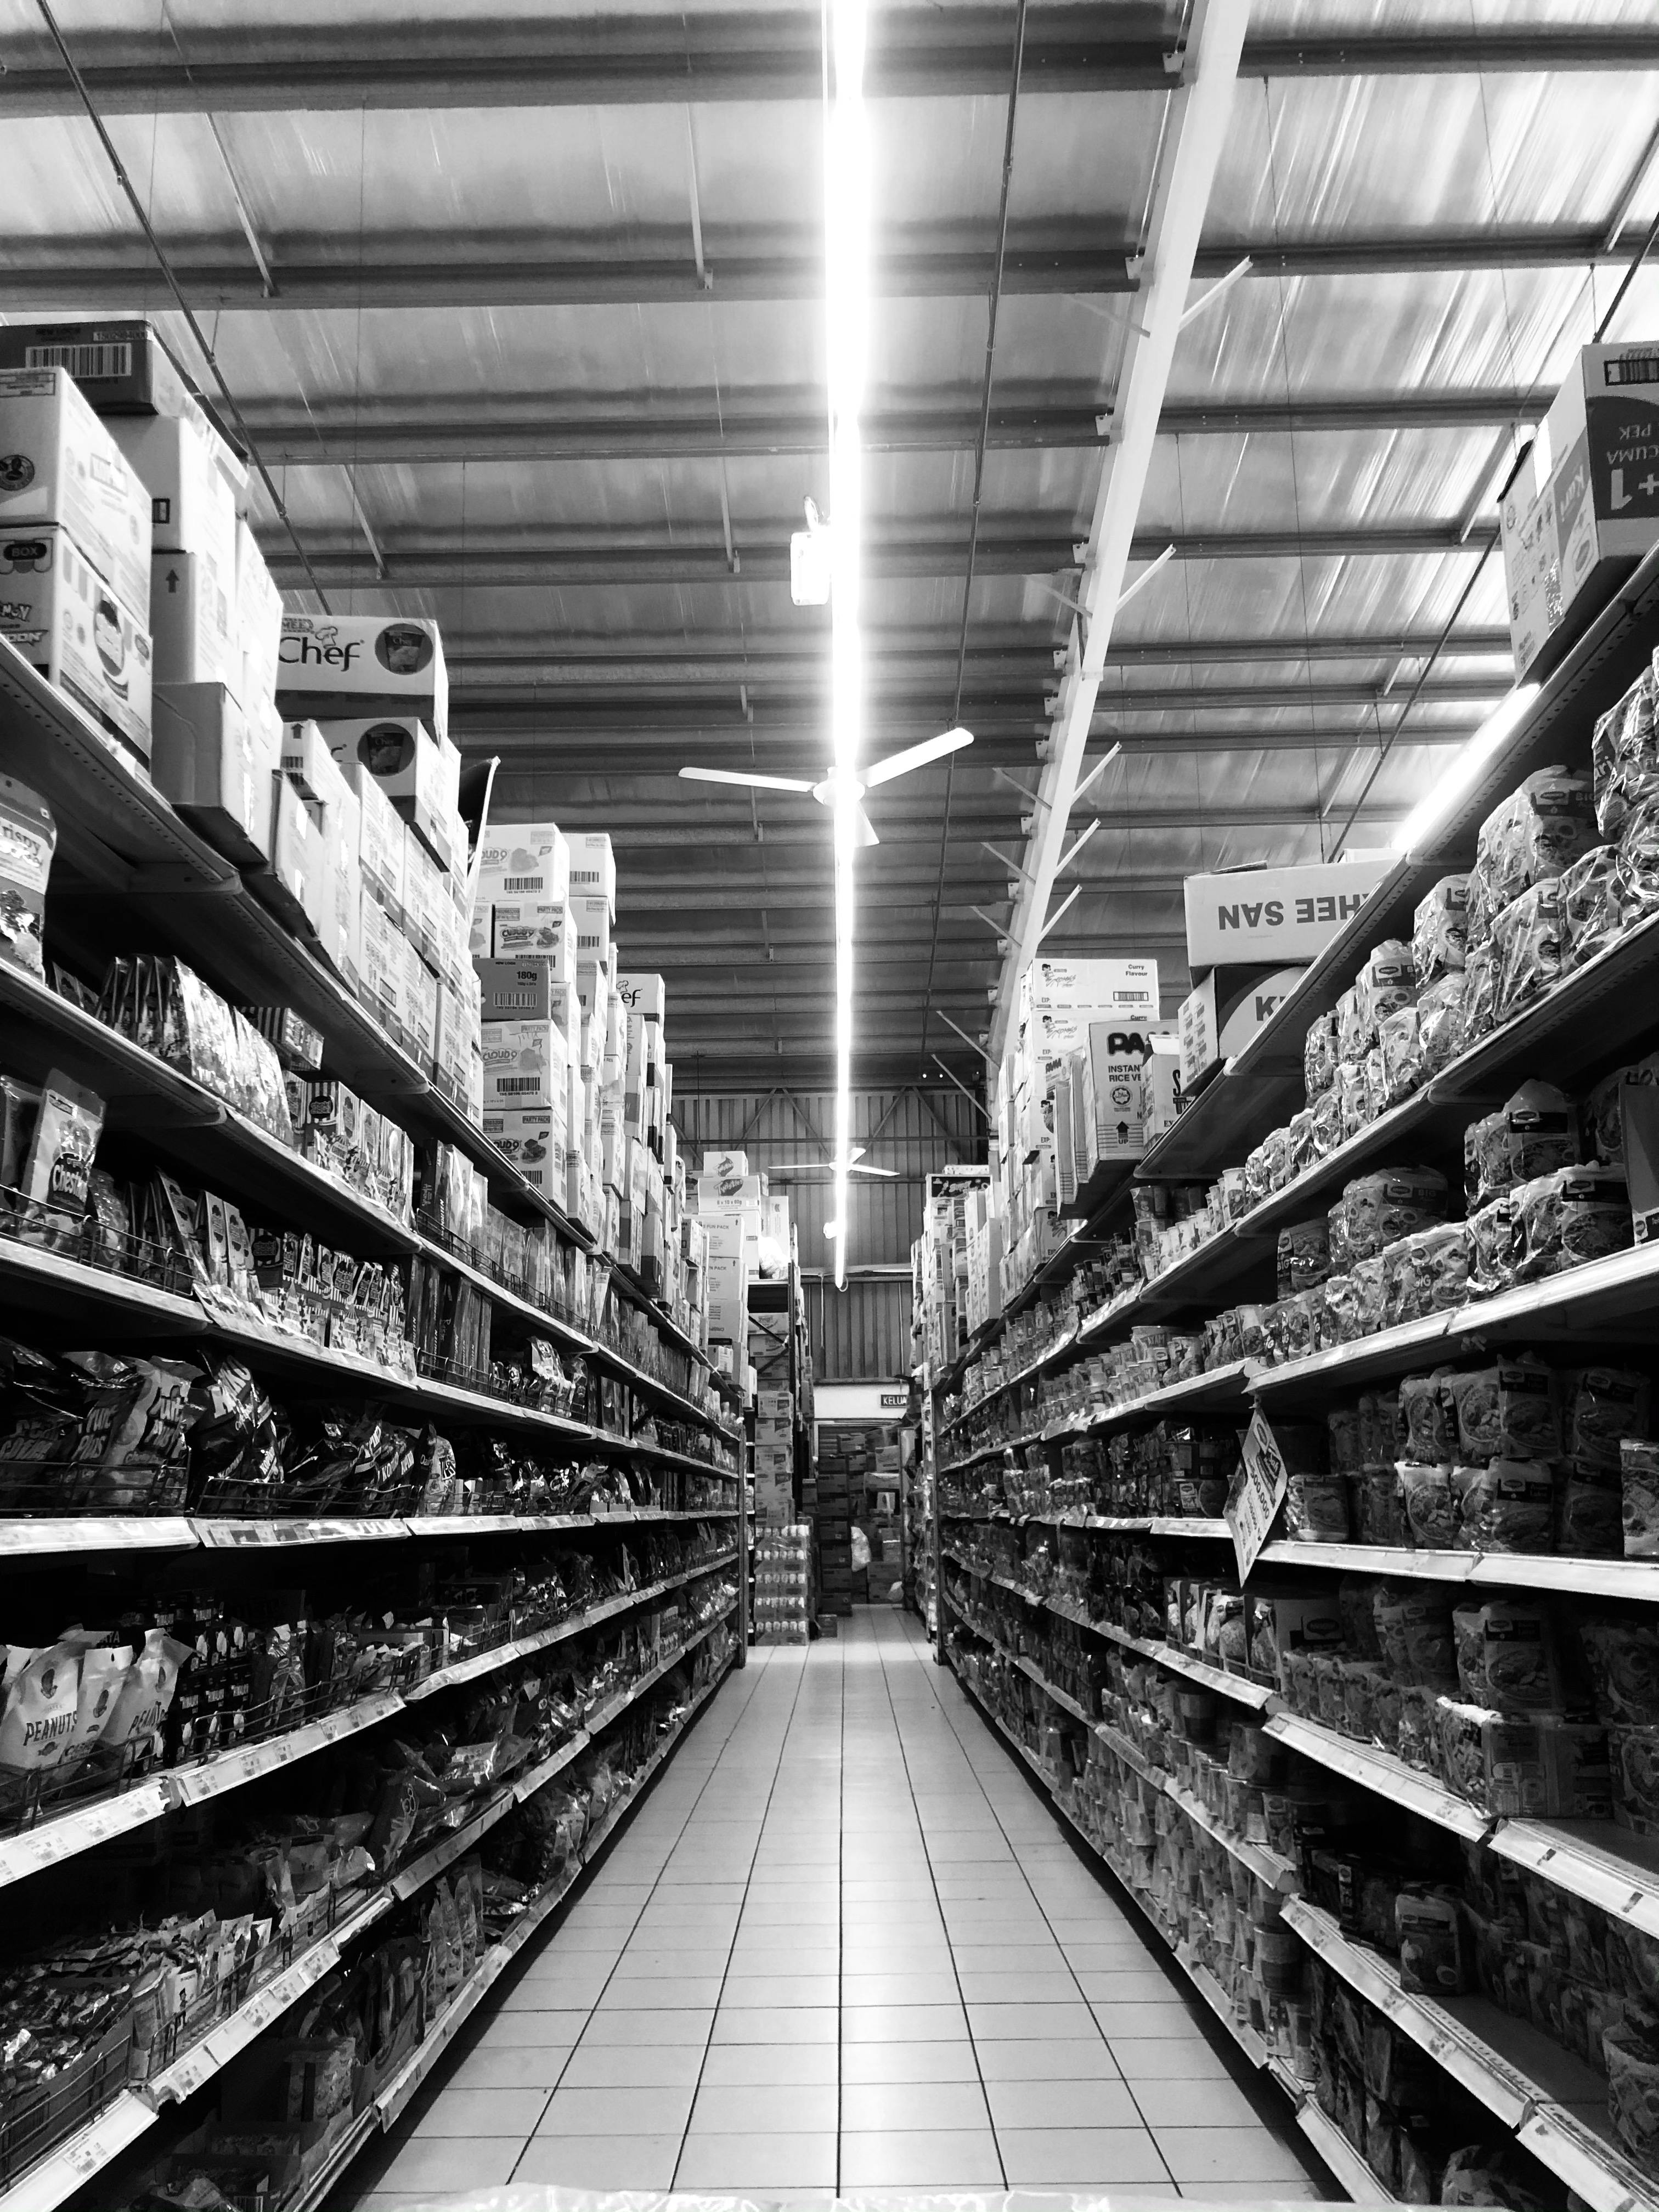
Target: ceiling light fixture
[847, 325]
[1457, 781]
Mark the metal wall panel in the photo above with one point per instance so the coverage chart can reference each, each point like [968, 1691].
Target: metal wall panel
[862, 1331]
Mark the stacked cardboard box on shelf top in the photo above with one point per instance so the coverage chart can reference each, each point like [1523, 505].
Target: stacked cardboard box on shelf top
[1251, 933]
[312, 751]
[838, 1460]
[941, 1260]
[745, 1237]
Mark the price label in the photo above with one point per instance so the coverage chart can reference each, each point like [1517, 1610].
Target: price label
[189, 2073]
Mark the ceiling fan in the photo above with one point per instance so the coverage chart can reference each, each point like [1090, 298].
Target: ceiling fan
[881, 771]
[815, 1171]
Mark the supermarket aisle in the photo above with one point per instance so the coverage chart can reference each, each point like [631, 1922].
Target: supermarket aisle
[843, 1946]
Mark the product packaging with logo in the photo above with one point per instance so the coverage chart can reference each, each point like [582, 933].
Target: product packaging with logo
[335, 666]
[59, 465]
[215, 762]
[28, 836]
[421, 775]
[66, 620]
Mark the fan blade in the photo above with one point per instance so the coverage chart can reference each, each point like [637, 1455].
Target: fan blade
[931, 749]
[866, 834]
[754, 783]
[892, 1174]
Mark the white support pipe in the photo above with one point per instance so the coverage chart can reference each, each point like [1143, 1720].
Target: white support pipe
[1200, 111]
[1083, 837]
[1054, 919]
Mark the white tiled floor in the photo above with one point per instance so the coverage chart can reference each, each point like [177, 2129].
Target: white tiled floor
[844, 1945]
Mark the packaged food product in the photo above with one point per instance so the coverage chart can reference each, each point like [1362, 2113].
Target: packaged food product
[1569, 1217]
[1638, 1477]
[1591, 907]
[1353, 1095]
[1526, 948]
[1305, 1256]
[1381, 1208]
[1591, 1526]
[28, 837]
[1632, 2051]
[1509, 1410]
[1533, 1134]
[1352, 1034]
[1623, 1656]
[1479, 988]
[1386, 981]
[1625, 754]
[1440, 1022]
[1400, 1045]
[1492, 1238]
[1299, 1153]
[1327, 1121]
[1319, 1056]
[1507, 1505]
[56, 1174]
[1508, 1657]
[1414, 1625]
[1633, 1754]
[42, 1694]
[1531, 836]
[1638, 864]
[1317, 1509]
[1429, 1934]
[1431, 1505]
[1440, 930]
[1604, 1405]
[1428, 1427]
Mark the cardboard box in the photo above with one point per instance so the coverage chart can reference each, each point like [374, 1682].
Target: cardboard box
[287, 884]
[192, 624]
[122, 367]
[335, 667]
[593, 868]
[63, 466]
[593, 928]
[528, 1138]
[524, 860]
[1273, 915]
[726, 1166]
[193, 507]
[213, 761]
[381, 974]
[1116, 1101]
[526, 1063]
[531, 990]
[381, 833]
[418, 773]
[1582, 507]
[523, 929]
[259, 620]
[644, 995]
[1223, 1010]
[307, 761]
[420, 1025]
[64, 619]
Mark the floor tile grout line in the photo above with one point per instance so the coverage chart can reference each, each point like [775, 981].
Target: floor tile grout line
[1047, 1922]
[760, 1838]
[922, 1827]
[553, 1934]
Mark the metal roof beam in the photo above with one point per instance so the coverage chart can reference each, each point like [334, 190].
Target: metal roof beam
[632, 831]
[740, 57]
[1038, 546]
[397, 270]
[669, 425]
[572, 61]
[1196, 129]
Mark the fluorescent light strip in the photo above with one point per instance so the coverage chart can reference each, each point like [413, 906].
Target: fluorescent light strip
[1451, 785]
[847, 318]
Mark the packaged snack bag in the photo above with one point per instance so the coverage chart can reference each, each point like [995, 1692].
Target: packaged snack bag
[57, 1172]
[28, 837]
[1440, 930]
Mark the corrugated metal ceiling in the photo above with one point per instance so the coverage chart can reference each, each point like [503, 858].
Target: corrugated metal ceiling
[488, 310]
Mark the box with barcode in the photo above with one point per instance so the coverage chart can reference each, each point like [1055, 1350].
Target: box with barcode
[526, 1063]
[64, 469]
[523, 861]
[593, 868]
[122, 366]
[533, 1144]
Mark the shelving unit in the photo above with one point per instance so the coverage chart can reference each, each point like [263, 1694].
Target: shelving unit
[993, 1448]
[127, 868]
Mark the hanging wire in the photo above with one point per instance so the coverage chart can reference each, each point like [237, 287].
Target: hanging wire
[1295, 484]
[979, 482]
[184, 306]
[1479, 570]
